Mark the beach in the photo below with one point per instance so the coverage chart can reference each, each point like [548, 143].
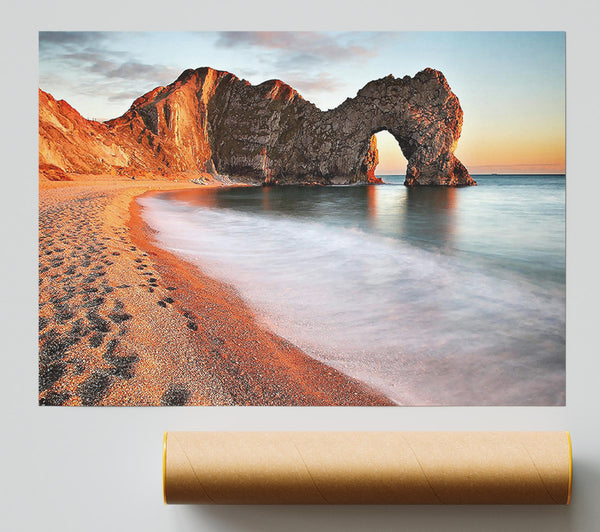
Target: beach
[123, 322]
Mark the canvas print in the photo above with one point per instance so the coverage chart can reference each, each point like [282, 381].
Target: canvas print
[301, 218]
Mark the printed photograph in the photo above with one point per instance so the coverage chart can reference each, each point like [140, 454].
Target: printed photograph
[302, 218]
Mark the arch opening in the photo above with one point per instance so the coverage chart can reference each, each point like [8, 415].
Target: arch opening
[392, 162]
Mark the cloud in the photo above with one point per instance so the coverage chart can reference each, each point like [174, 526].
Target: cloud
[137, 70]
[124, 96]
[87, 67]
[243, 71]
[299, 48]
[88, 52]
[323, 82]
[69, 40]
[97, 62]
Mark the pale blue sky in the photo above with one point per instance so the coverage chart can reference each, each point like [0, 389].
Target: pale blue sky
[511, 85]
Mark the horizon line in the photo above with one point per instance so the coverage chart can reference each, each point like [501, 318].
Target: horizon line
[497, 173]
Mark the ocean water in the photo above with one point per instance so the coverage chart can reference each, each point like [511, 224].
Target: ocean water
[434, 296]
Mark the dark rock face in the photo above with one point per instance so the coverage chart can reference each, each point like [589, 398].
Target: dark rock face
[211, 122]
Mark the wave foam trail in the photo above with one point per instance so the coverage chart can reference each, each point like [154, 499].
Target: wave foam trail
[423, 327]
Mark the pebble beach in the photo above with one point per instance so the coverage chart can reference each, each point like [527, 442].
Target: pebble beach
[123, 322]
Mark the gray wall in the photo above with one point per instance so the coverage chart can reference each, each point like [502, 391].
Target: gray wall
[100, 469]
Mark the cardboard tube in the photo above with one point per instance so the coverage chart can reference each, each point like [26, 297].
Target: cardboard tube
[367, 467]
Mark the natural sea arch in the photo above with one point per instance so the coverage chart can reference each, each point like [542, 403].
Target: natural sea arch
[391, 160]
[212, 122]
[269, 133]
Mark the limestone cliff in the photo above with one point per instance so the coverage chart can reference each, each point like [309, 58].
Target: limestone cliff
[210, 121]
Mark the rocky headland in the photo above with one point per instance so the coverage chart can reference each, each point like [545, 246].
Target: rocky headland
[209, 123]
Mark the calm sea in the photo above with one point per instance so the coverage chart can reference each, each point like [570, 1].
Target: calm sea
[434, 296]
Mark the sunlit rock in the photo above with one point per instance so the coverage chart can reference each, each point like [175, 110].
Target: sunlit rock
[211, 122]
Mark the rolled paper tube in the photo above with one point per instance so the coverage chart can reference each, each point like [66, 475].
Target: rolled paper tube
[367, 467]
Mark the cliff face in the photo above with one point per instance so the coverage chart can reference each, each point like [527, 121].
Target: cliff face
[211, 122]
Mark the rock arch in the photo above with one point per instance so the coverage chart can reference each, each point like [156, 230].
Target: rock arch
[210, 121]
[303, 143]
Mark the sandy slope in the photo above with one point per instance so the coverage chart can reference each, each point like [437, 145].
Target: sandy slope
[123, 322]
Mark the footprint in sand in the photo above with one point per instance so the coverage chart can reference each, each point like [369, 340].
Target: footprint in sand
[93, 388]
[176, 395]
[54, 399]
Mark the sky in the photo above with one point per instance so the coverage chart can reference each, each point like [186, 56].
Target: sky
[511, 85]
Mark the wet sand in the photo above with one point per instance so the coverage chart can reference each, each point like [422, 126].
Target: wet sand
[123, 322]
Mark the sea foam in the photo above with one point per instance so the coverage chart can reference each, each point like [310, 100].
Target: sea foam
[422, 326]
